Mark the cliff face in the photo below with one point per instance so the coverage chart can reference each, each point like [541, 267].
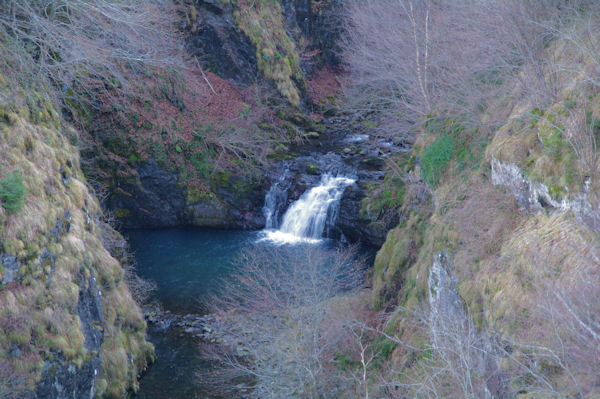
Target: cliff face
[277, 40]
[68, 324]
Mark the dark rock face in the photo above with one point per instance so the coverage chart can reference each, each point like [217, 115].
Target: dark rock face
[357, 227]
[62, 379]
[11, 267]
[220, 45]
[244, 210]
[62, 226]
[89, 309]
[48, 256]
[321, 23]
[157, 202]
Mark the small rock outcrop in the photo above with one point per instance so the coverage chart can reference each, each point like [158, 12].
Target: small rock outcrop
[358, 226]
[532, 195]
[155, 200]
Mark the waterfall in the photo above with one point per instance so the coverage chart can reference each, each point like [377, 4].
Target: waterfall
[309, 217]
[275, 199]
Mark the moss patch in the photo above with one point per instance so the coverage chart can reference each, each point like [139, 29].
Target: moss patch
[12, 192]
[276, 53]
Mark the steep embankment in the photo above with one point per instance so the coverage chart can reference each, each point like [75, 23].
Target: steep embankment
[504, 226]
[69, 327]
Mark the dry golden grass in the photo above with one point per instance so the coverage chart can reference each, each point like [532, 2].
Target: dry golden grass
[46, 301]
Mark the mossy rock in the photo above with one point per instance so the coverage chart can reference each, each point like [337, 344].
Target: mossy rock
[312, 169]
[195, 195]
[373, 162]
[122, 213]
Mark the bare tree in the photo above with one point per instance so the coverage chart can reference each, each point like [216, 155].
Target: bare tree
[366, 357]
[425, 58]
[284, 320]
[80, 46]
[419, 58]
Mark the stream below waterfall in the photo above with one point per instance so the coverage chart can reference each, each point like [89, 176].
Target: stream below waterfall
[188, 266]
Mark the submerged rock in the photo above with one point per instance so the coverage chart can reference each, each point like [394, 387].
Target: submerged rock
[204, 327]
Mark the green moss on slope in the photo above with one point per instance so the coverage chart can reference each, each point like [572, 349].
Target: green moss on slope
[276, 53]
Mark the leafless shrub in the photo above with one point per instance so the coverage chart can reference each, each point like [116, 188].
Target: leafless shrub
[527, 33]
[245, 140]
[578, 123]
[454, 358]
[423, 58]
[285, 320]
[581, 132]
[416, 58]
[140, 288]
[82, 46]
[577, 26]
[565, 353]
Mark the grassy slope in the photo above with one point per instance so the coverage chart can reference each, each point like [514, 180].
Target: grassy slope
[497, 250]
[37, 313]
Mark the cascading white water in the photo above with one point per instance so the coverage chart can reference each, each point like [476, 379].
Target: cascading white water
[308, 217]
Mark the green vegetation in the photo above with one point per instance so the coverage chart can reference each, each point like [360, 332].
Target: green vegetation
[397, 255]
[122, 213]
[436, 157]
[276, 53]
[390, 194]
[543, 150]
[12, 192]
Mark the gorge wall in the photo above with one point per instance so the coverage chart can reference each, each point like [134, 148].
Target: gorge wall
[68, 324]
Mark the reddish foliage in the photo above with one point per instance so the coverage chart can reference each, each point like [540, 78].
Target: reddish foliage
[229, 101]
[184, 101]
[165, 112]
[325, 83]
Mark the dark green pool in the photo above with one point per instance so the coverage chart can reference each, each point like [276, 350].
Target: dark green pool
[186, 265]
